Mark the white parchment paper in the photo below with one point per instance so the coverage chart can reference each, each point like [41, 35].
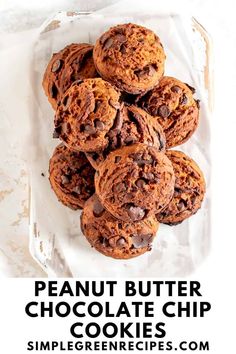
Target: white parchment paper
[56, 240]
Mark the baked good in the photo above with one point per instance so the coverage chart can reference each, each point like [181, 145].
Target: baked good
[71, 177]
[189, 189]
[88, 110]
[135, 182]
[136, 126]
[172, 103]
[74, 62]
[131, 57]
[115, 238]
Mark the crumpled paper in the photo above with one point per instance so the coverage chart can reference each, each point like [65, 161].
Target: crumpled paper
[56, 240]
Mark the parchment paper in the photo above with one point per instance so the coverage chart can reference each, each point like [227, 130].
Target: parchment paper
[56, 240]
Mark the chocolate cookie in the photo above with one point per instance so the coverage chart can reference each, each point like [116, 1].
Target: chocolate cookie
[135, 126]
[71, 177]
[88, 111]
[131, 57]
[176, 110]
[115, 238]
[189, 189]
[135, 182]
[72, 63]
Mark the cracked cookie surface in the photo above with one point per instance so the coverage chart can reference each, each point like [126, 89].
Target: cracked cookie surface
[88, 111]
[74, 62]
[173, 105]
[131, 57]
[135, 126]
[135, 182]
[115, 238]
[71, 177]
[189, 189]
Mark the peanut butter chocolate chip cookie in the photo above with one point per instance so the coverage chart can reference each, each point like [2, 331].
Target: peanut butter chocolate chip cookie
[135, 182]
[131, 57]
[189, 189]
[115, 238]
[72, 63]
[88, 111]
[172, 103]
[71, 177]
[134, 126]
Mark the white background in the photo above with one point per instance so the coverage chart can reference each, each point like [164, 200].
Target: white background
[217, 274]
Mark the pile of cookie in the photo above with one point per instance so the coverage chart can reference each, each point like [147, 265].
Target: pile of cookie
[117, 117]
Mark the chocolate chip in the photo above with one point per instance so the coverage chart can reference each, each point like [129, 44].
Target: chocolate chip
[89, 129]
[154, 111]
[184, 99]
[123, 49]
[140, 183]
[129, 140]
[77, 190]
[65, 179]
[68, 128]
[145, 162]
[118, 121]
[136, 213]
[99, 125]
[120, 243]
[117, 159]
[191, 88]
[152, 70]
[140, 241]
[65, 128]
[193, 200]
[56, 65]
[108, 43]
[66, 102]
[53, 91]
[56, 133]
[176, 89]
[117, 39]
[119, 225]
[119, 30]
[180, 206]
[120, 38]
[178, 191]
[114, 104]
[147, 70]
[198, 103]
[137, 157]
[163, 111]
[103, 241]
[120, 187]
[97, 105]
[98, 209]
[149, 176]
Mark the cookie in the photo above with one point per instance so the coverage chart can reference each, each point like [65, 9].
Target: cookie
[172, 103]
[74, 62]
[131, 57]
[135, 182]
[71, 177]
[88, 111]
[189, 189]
[136, 126]
[115, 238]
